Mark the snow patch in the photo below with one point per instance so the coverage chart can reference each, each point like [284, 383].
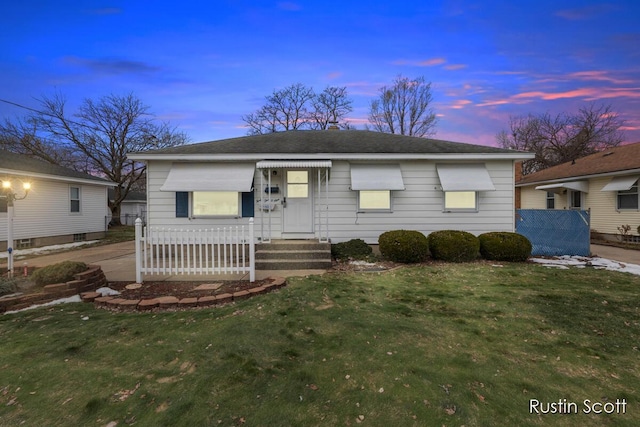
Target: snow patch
[46, 249]
[566, 261]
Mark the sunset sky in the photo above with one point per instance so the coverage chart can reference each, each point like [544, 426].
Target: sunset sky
[202, 65]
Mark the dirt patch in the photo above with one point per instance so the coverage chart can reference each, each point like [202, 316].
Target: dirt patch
[180, 290]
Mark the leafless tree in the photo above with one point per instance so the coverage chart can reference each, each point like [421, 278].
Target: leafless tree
[285, 109]
[298, 107]
[404, 108]
[563, 138]
[330, 107]
[96, 139]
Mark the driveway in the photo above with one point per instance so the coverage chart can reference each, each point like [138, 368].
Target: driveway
[617, 254]
[118, 260]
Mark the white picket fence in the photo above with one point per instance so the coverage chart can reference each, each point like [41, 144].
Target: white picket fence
[166, 251]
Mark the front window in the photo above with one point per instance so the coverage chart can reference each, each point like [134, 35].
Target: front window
[374, 200]
[628, 199]
[460, 201]
[551, 200]
[74, 199]
[216, 203]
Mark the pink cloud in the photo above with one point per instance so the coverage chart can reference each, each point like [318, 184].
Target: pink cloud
[334, 75]
[460, 103]
[453, 67]
[598, 76]
[431, 62]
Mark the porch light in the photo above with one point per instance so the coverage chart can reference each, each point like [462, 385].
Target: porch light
[8, 194]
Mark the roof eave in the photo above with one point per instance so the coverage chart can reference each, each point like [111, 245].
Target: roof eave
[581, 177]
[57, 177]
[332, 156]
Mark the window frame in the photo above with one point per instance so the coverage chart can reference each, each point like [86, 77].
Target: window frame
[551, 200]
[447, 209]
[571, 195]
[633, 191]
[71, 200]
[360, 209]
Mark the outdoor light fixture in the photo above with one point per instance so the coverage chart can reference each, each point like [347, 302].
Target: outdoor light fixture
[8, 194]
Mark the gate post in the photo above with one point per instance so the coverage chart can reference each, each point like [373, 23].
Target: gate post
[138, 250]
[252, 253]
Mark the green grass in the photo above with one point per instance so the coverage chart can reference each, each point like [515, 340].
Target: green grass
[465, 344]
[119, 233]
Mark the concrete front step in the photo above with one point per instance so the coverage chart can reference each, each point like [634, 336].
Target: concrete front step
[293, 254]
[290, 264]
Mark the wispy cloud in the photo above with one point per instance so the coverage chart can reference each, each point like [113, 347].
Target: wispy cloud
[112, 65]
[291, 6]
[334, 75]
[587, 12]
[424, 63]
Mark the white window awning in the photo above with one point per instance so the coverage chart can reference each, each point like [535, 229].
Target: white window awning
[209, 177]
[620, 183]
[560, 187]
[376, 176]
[276, 164]
[464, 177]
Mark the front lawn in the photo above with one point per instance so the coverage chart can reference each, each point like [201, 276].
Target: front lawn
[443, 344]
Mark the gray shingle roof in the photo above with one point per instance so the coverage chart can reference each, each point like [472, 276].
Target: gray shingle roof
[328, 141]
[23, 163]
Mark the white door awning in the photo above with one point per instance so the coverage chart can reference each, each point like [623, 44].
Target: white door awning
[620, 183]
[209, 177]
[464, 177]
[380, 176]
[277, 164]
[562, 186]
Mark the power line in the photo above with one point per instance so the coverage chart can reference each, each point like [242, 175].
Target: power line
[49, 114]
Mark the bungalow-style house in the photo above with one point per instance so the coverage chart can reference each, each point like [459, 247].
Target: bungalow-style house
[331, 185]
[62, 205]
[606, 183]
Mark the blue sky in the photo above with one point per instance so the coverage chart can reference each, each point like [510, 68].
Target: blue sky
[202, 65]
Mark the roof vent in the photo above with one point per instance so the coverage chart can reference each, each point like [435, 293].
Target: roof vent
[607, 154]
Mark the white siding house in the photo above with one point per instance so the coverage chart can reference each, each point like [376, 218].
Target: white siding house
[331, 185]
[62, 205]
[606, 183]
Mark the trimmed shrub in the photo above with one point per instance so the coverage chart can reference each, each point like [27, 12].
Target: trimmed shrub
[57, 273]
[408, 246]
[352, 249]
[453, 246]
[504, 246]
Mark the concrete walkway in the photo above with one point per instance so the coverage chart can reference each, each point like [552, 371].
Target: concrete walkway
[629, 256]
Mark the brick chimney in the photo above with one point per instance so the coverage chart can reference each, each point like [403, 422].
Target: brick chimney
[518, 177]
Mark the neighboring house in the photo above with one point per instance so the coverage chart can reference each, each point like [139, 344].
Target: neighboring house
[62, 206]
[133, 206]
[332, 185]
[606, 183]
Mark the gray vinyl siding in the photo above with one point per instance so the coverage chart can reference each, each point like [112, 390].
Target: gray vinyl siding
[418, 207]
[46, 211]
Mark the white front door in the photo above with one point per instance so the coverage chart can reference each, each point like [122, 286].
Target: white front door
[298, 205]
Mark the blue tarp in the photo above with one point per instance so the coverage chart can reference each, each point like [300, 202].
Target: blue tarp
[555, 232]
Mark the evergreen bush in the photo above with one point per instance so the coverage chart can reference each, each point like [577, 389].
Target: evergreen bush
[504, 246]
[407, 246]
[352, 249]
[57, 273]
[453, 246]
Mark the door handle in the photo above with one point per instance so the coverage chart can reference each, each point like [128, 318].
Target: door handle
[284, 202]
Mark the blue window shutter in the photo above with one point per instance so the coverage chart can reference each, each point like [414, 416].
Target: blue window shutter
[248, 205]
[182, 204]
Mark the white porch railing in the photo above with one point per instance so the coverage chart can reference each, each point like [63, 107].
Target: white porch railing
[165, 251]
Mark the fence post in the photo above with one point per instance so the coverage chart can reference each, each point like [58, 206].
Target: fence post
[252, 253]
[138, 250]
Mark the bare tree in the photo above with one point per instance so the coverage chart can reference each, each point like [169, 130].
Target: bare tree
[285, 109]
[404, 108]
[330, 107]
[299, 107]
[563, 138]
[96, 139]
